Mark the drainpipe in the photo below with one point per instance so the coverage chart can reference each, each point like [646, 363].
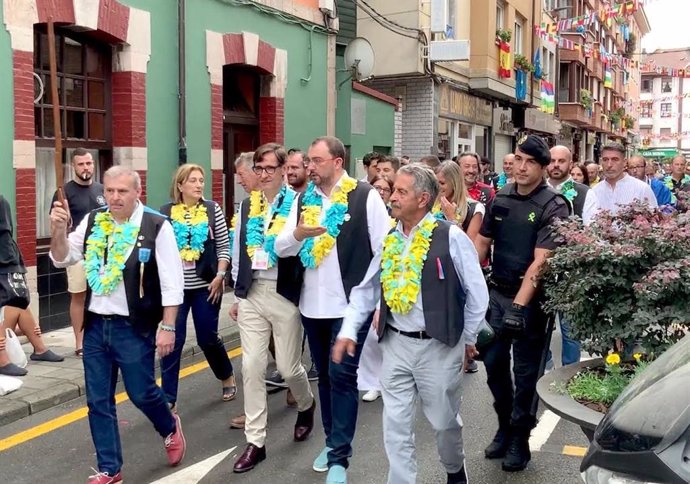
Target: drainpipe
[535, 40]
[182, 83]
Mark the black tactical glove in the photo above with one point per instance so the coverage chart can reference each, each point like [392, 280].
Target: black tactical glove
[514, 321]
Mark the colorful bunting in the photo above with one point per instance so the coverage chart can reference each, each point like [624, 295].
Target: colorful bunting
[548, 97]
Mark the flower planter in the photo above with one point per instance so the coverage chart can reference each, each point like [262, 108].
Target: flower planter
[551, 391]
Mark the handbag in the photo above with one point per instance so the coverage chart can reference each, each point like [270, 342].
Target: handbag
[14, 349]
[13, 290]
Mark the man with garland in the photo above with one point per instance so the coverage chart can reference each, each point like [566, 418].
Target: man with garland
[433, 298]
[481, 192]
[335, 228]
[677, 180]
[507, 176]
[268, 289]
[519, 224]
[135, 285]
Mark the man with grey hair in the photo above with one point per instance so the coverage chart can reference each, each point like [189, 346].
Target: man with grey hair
[637, 167]
[135, 285]
[424, 338]
[244, 174]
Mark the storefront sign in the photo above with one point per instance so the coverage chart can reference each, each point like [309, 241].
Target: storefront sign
[503, 121]
[458, 104]
[539, 121]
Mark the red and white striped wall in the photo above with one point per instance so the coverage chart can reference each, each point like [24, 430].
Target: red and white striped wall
[112, 22]
[245, 48]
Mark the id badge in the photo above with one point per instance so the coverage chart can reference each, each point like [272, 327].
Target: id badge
[260, 260]
[188, 264]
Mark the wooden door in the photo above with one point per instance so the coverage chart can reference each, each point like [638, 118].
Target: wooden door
[237, 138]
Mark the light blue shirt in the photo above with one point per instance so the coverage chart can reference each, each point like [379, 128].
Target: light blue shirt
[365, 297]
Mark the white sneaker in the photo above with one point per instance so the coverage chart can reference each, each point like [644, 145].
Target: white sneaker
[371, 396]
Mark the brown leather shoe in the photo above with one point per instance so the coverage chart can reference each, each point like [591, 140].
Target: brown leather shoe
[290, 399]
[238, 422]
[251, 456]
[305, 423]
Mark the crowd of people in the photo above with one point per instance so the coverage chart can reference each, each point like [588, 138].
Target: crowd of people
[389, 279]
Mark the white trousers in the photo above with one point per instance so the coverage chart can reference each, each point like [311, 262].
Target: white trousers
[369, 371]
[430, 371]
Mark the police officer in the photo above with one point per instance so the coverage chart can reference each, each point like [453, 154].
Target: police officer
[519, 223]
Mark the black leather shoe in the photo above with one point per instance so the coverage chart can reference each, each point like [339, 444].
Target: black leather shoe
[518, 455]
[251, 456]
[499, 446]
[305, 423]
[459, 477]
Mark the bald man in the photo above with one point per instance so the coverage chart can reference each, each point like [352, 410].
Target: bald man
[584, 200]
[507, 176]
[637, 167]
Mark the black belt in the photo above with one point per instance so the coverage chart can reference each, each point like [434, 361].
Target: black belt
[108, 317]
[410, 334]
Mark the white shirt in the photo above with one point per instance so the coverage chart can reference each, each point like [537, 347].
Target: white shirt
[365, 297]
[626, 190]
[268, 274]
[168, 261]
[323, 295]
[591, 202]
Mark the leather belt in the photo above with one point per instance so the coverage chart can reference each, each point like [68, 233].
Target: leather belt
[410, 334]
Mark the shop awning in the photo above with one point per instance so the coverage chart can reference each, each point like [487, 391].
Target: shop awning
[659, 152]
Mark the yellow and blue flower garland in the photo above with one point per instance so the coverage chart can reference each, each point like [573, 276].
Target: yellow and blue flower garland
[315, 250]
[231, 232]
[668, 181]
[257, 236]
[401, 278]
[103, 279]
[439, 215]
[190, 233]
[502, 180]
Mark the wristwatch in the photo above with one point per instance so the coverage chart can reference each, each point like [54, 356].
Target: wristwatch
[221, 274]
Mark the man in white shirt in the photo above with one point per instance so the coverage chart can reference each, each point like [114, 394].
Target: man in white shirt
[583, 200]
[618, 188]
[135, 284]
[335, 228]
[424, 342]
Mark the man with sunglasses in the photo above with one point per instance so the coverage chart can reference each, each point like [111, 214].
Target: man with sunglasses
[268, 290]
[334, 206]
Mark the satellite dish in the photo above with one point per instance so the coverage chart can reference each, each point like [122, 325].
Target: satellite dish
[359, 58]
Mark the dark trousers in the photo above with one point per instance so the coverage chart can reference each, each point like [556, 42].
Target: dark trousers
[337, 385]
[110, 344]
[514, 403]
[205, 317]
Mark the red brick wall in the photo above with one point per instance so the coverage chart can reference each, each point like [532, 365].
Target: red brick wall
[129, 109]
[217, 186]
[113, 19]
[23, 95]
[271, 120]
[216, 117]
[59, 10]
[26, 213]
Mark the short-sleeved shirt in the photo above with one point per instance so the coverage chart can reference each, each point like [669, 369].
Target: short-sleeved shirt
[546, 236]
[81, 199]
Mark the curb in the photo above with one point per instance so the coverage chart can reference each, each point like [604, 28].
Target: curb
[59, 391]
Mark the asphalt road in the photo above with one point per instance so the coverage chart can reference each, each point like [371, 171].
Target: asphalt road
[66, 455]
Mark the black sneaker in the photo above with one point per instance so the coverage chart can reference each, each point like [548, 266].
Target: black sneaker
[459, 477]
[471, 367]
[275, 380]
[312, 374]
[518, 455]
[499, 446]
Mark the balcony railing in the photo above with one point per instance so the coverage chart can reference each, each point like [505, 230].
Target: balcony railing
[574, 113]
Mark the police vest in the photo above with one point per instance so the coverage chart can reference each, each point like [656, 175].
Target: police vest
[290, 271]
[144, 298]
[353, 244]
[516, 220]
[443, 298]
[206, 267]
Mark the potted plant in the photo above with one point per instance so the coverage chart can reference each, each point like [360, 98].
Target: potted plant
[503, 35]
[623, 284]
[628, 121]
[522, 63]
[586, 99]
[616, 116]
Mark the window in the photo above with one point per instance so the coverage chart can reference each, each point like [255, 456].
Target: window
[646, 110]
[665, 133]
[500, 15]
[452, 22]
[665, 110]
[646, 85]
[517, 36]
[666, 83]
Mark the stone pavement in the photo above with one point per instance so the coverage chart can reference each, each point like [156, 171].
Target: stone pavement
[50, 384]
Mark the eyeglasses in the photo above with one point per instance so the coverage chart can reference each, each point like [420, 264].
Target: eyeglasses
[316, 161]
[382, 189]
[270, 170]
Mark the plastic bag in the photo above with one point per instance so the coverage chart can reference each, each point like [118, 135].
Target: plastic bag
[14, 349]
[9, 384]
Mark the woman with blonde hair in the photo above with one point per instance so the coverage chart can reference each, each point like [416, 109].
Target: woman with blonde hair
[202, 240]
[454, 204]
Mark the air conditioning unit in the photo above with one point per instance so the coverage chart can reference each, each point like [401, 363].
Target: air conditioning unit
[439, 16]
[449, 50]
[327, 6]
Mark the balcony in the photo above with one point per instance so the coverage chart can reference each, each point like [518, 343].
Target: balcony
[568, 55]
[574, 113]
[597, 67]
[597, 121]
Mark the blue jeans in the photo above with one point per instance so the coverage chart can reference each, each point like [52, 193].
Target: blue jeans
[109, 344]
[338, 392]
[205, 317]
[571, 348]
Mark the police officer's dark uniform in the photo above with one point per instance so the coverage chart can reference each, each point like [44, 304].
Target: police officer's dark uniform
[518, 224]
